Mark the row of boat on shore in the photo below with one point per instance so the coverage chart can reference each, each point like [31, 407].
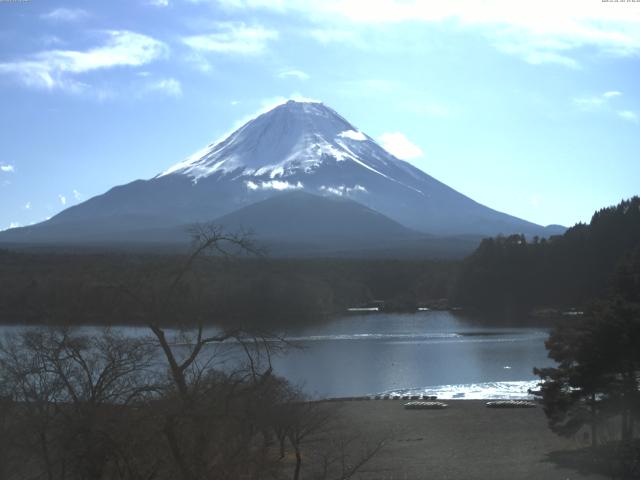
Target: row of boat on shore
[427, 402]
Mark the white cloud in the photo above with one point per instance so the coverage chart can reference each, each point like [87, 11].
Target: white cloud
[77, 195]
[66, 15]
[547, 25]
[274, 185]
[400, 146]
[334, 191]
[533, 54]
[590, 103]
[341, 190]
[299, 74]
[595, 102]
[199, 62]
[244, 4]
[353, 135]
[628, 115]
[63, 199]
[329, 35]
[27, 206]
[6, 168]
[168, 86]
[233, 38]
[602, 103]
[158, 3]
[544, 31]
[56, 68]
[13, 225]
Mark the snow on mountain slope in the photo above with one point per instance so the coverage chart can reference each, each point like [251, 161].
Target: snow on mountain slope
[298, 146]
[308, 146]
[292, 138]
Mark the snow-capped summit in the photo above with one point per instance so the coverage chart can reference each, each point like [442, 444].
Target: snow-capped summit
[295, 137]
[303, 146]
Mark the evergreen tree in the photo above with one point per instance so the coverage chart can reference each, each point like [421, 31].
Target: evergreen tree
[598, 371]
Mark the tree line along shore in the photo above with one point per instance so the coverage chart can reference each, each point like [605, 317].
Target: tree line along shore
[505, 277]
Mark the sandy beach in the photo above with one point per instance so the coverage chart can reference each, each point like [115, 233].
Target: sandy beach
[467, 440]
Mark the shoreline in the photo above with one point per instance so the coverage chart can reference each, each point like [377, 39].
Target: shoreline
[481, 391]
[466, 441]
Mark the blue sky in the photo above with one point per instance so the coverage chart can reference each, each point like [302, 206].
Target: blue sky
[532, 108]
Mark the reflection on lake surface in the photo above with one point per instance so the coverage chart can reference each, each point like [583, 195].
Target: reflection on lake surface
[440, 353]
[407, 353]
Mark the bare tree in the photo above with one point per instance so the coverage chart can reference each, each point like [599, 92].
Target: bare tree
[70, 391]
[189, 401]
[342, 455]
[202, 404]
[316, 431]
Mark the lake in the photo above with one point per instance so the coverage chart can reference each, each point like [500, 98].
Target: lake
[441, 353]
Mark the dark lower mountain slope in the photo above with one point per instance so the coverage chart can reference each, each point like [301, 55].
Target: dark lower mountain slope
[301, 224]
[300, 216]
[287, 224]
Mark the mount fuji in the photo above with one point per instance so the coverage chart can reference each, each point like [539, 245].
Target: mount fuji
[301, 147]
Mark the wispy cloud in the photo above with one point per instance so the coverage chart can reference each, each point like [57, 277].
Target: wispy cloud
[605, 103]
[168, 86]
[281, 5]
[531, 51]
[596, 102]
[233, 38]
[400, 146]
[158, 3]
[298, 74]
[540, 32]
[327, 35]
[7, 168]
[590, 103]
[57, 69]
[274, 185]
[544, 27]
[27, 206]
[77, 195]
[628, 115]
[342, 190]
[63, 199]
[66, 15]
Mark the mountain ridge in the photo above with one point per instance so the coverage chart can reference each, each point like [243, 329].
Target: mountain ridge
[296, 146]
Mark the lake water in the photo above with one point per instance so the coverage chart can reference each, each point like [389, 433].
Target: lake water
[440, 353]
